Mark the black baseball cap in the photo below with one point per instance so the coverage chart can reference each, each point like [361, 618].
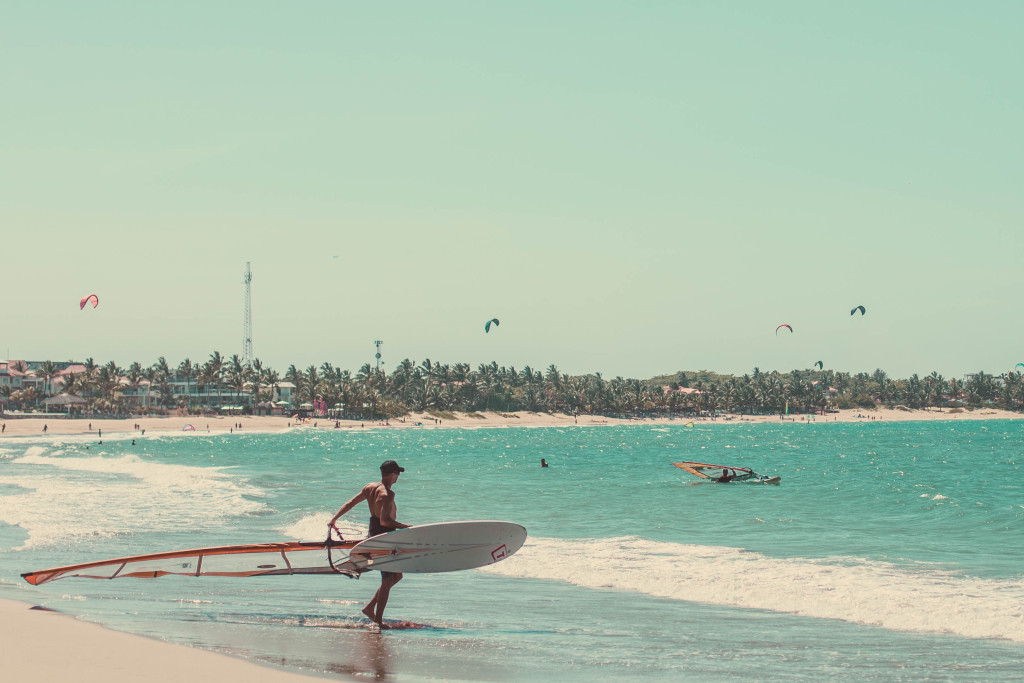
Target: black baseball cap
[390, 467]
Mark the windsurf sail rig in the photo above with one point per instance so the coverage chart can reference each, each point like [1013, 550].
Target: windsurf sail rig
[262, 559]
[715, 472]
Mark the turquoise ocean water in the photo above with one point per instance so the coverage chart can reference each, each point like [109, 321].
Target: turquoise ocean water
[891, 551]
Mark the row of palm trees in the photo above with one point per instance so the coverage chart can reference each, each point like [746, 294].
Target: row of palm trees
[439, 387]
[110, 388]
[442, 387]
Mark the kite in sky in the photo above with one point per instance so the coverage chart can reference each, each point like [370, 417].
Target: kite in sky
[821, 366]
[487, 326]
[91, 298]
[858, 308]
[789, 327]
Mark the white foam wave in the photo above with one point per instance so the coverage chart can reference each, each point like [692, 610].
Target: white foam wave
[71, 498]
[314, 528]
[917, 598]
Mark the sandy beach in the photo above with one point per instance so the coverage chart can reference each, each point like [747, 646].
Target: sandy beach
[43, 645]
[142, 426]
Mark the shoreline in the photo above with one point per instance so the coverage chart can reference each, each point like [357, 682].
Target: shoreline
[100, 654]
[98, 427]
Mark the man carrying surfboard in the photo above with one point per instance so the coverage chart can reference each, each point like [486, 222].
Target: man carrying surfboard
[381, 501]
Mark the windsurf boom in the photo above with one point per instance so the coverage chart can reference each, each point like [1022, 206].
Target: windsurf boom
[263, 559]
[714, 473]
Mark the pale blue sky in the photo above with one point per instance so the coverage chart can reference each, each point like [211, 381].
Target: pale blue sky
[632, 188]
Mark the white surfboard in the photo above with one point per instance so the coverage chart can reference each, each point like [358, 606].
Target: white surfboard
[444, 547]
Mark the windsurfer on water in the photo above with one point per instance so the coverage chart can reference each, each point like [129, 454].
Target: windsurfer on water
[381, 501]
[726, 477]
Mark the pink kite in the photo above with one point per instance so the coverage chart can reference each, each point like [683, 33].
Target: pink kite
[93, 298]
[789, 327]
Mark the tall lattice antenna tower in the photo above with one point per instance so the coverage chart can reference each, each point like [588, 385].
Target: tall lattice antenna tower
[247, 331]
[378, 343]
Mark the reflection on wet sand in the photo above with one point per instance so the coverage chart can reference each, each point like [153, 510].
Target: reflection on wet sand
[370, 656]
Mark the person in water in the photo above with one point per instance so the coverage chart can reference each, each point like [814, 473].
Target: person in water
[726, 477]
[381, 501]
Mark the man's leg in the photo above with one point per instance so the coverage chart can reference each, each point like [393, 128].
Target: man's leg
[374, 610]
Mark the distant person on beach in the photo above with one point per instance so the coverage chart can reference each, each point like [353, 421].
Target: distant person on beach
[381, 501]
[44, 428]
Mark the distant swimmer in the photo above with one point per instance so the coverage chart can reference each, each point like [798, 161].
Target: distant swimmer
[543, 462]
[381, 500]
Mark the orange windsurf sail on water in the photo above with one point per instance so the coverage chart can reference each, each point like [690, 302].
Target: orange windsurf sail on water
[714, 472]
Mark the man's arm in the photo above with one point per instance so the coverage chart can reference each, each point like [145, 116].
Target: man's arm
[359, 498]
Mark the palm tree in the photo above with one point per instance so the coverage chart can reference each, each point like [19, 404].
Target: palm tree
[295, 376]
[955, 390]
[256, 376]
[72, 383]
[134, 375]
[236, 376]
[161, 366]
[272, 379]
[48, 370]
[186, 370]
[214, 372]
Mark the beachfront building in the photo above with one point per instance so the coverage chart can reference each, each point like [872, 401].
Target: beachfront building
[6, 382]
[32, 385]
[6, 378]
[984, 377]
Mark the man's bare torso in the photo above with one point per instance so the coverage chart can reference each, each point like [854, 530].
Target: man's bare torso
[381, 501]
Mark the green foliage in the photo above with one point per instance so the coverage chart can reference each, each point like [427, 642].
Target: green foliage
[687, 378]
[445, 390]
[863, 401]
